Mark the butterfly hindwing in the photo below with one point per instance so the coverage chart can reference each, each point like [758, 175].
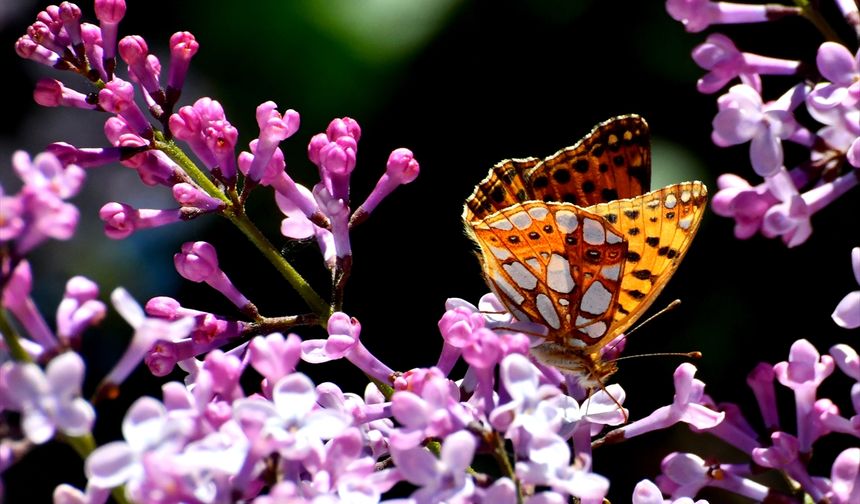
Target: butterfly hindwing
[611, 162]
[503, 187]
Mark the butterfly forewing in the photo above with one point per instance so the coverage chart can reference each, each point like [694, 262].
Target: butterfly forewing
[611, 162]
[555, 264]
[658, 228]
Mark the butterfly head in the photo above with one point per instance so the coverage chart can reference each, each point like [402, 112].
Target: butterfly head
[587, 365]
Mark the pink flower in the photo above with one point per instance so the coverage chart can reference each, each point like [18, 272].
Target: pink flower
[442, 479]
[847, 312]
[50, 400]
[724, 62]
[697, 15]
[743, 117]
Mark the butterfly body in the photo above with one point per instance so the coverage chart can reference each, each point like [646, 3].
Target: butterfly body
[585, 270]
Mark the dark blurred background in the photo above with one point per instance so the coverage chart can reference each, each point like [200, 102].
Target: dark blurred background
[464, 85]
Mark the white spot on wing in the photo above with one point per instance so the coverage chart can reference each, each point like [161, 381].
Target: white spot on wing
[671, 200]
[611, 272]
[592, 232]
[502, 224]
[685, 222]
[500, 253]
[519, 315]
[653, 204]
[566, 221]
[575, 342]
[564, 302]
[534, 263]
[521, 220]
[685, 195]
[539, 212]
[521, 275]
[596, 299]
[612, 238]
[547, 310]
[507, 289]
[558, 275]
[595, 330]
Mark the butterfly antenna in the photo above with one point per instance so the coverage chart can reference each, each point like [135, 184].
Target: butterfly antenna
[671, 306]
[689, 355]
[603, 388]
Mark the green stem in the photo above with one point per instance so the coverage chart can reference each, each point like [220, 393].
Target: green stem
[236, 214]
[501, 456]
[808, 11]
[83, 445]
[241, 221]
[178, 156]
[10, 336]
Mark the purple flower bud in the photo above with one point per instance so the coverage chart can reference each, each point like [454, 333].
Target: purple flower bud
[198, 262]
[118, 97]
[122, 220]
[346, 126]
[42, 35]
[402, 168]
[221, 139]
[109, 13]
[79, 309]
[52, 93]
[274, 128]
[142, 66]
[189, 124]
[167, 308]
[70, 14]
[188, 195]
[316, 144]
[760, 380]
[183, 46]
[27, 48]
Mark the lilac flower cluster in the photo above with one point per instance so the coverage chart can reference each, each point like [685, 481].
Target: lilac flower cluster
[783, 204]
[246, 424]
[685, 474]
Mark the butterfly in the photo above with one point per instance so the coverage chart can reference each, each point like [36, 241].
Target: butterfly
[576, 243]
